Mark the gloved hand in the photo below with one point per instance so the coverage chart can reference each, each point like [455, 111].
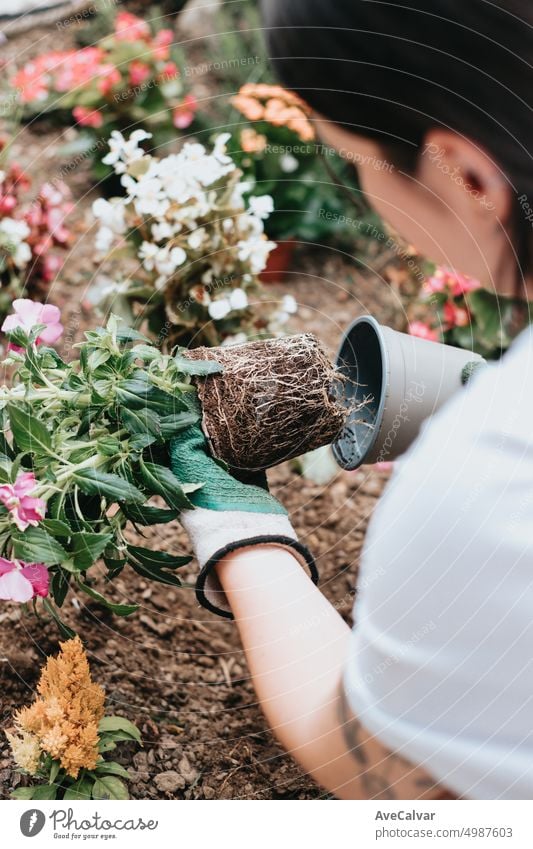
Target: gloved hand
[228, 515]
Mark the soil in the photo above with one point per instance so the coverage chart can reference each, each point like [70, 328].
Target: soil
[173, 668]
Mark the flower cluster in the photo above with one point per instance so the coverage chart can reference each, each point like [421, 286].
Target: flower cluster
[278, 153]
[197, 246]
[277, 106]
[129, 77]
[32, 234]
[60, 736]
[456, 310]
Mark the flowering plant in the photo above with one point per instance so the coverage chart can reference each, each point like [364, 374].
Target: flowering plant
[464, 314]
[32, 234]
[197, 247]
[130, 77]
[82, 450]
[61, 738]
[280, 154]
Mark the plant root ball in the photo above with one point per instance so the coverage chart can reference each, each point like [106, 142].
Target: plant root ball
[274, 400]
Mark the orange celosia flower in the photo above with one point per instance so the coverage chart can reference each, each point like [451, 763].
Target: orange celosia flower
[277, 106]
[252, 142]
[64, 718]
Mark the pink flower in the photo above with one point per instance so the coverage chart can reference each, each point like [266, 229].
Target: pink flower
[88, 117]
[453, 281]
[29, 313]
[21, 581]
[169, 72]
[139, 72]
[129, 27]
[183, 115]
[108, 76]
[455, 316]
[25, 510]
[161, 43]
[423, 331]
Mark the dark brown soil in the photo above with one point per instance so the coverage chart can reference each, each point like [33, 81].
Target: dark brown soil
[173, 668]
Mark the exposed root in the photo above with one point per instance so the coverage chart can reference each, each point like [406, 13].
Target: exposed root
[275, 399]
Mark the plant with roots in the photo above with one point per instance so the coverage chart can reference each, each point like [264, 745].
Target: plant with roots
[83, 448]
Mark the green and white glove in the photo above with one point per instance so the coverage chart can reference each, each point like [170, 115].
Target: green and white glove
[228, 515]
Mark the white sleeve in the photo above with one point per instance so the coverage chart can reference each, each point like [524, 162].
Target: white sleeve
[441, 661]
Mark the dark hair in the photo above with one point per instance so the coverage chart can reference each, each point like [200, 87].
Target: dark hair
[392, 69]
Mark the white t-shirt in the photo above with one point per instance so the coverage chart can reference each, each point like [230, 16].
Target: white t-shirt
[441, 663]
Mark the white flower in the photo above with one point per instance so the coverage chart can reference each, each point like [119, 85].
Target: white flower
[288, 163]
[288, 304]
[228, 225]
[148, 195]
[219, 149]
[219, 309]
[104, 239]
[22, 254]
[122, 152]
[168, 259]
[195, 239]
[16, 231]
[261, 206]
[162, 230]
[255, 250]
[238, 299]
[111, 214]
[147, 253]
[236, 339]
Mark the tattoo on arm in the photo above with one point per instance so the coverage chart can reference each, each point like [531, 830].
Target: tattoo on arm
[384, 774]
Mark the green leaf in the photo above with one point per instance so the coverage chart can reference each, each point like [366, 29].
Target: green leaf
[147, 557]
[56, 528]
[30, 434]
[81, 789]
[109, 787]
[170, 425]
[118, 609]
[112, 487]
[155, 573]
[106, 744]
[161, 481]
[128, 334]
[59, 586]
[140, 421]
[112, 768]
[197, 367]
[63, 627]
[119, 723]
[87, 548]
[37, 546]
[22, 793]
[44, 791]
[54, 770]
[148, 515]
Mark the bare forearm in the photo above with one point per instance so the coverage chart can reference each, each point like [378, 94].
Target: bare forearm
[296, 646]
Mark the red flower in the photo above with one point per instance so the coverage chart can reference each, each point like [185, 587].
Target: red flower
[88, 117]
[139, 72]
[423, 331]
[183, 115]
[129, 27]
[161, 44]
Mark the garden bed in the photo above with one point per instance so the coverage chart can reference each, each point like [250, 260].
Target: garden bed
[174, 669]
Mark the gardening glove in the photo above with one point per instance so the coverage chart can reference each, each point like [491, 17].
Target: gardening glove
[228, 515]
